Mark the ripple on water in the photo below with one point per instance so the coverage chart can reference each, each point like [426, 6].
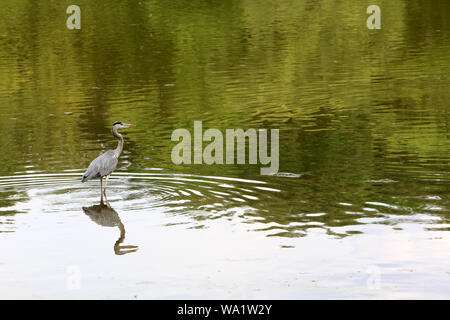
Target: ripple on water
[276, 207]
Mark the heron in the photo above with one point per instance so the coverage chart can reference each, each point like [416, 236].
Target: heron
[106, 163]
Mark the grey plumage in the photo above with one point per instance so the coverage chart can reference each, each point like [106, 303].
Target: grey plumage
[105, 164]
[101, 166]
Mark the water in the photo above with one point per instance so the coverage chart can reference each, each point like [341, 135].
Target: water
[358, 209]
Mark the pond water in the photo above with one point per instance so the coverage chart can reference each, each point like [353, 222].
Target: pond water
[359, 208]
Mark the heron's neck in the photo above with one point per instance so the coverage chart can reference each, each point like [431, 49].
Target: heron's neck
[119, 137]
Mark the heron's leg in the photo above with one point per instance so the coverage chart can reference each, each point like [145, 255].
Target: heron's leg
[101, 190]
[106, 182]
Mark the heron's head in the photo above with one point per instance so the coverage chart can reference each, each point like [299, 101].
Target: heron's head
[121, 125]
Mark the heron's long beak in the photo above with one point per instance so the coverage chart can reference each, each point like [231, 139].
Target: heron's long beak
[127, 125]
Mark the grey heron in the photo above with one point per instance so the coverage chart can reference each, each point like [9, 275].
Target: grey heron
[106, 163]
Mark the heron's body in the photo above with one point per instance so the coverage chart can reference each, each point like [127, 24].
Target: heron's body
[101, 166]
[106, 163]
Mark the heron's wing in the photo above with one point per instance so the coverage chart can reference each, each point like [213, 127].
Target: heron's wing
[101, 166]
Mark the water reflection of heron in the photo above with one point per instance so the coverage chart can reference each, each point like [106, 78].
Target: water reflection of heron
[106, 163]
[106, 216]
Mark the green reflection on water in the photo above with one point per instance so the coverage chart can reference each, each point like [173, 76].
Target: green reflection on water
[363, 114]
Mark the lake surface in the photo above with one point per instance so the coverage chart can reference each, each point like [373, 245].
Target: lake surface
[360, 207]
